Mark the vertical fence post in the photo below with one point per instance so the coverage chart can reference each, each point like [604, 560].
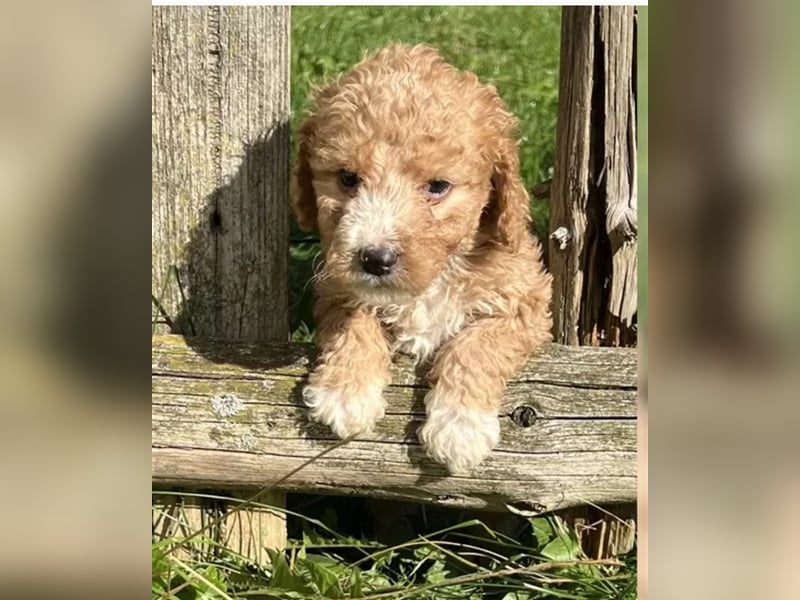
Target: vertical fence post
[220, 225]
[593, 218]
[593, 214]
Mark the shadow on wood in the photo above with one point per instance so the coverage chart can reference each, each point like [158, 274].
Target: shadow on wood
[232, 417]
[220, 287]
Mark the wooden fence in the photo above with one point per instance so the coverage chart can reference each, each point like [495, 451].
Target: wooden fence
[226, 409]
[230, 414]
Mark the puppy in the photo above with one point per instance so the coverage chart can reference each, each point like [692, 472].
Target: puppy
[409, 169]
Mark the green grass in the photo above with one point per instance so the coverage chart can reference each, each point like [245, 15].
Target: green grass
[464, 561]
[515, 48]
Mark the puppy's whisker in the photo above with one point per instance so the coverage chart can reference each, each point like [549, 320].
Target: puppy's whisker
[318, 262]
[320, 273]
[320, 277]
[322, 270]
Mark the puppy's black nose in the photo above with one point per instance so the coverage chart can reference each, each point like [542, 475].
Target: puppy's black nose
[377, 260]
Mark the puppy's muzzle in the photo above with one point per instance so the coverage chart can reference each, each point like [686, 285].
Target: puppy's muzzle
[377, 260]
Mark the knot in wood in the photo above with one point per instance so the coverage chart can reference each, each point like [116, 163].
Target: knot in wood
[562, 237]
[524, 416]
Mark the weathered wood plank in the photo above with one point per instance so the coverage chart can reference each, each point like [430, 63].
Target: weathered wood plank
[184, 174]
[264, 428]
[576, 367]
[521, 487]
[593, 214]
[220, 226]
[220, 222]
[230, 414]
[617, 27]
[549, 401]
[253, 206]
[571, 183]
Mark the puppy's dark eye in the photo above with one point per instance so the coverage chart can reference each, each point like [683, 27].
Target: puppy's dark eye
[437, 188]
[348, 179]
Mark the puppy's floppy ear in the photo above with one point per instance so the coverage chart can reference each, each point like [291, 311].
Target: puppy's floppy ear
[305, 199]
[512, 204]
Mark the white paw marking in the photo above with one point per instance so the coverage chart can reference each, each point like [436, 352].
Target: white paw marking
[457, 436]
[346, 414]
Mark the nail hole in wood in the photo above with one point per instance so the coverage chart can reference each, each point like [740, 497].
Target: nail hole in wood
[215, 220]
[524, 416]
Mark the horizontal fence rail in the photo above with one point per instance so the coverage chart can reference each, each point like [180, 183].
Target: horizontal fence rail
[230, 415]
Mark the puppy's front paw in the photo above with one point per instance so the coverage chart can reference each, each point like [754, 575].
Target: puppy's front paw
[346, 411]
[457, 436]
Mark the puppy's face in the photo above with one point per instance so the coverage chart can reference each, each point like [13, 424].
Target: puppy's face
[395, 196]
[398, 163]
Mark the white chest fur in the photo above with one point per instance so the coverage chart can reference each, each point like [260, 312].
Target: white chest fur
[422, 325]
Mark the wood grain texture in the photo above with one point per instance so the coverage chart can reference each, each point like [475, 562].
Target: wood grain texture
[617, 35]
[593, 200]
[220, 225]
[570, 187]
[230, 414]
